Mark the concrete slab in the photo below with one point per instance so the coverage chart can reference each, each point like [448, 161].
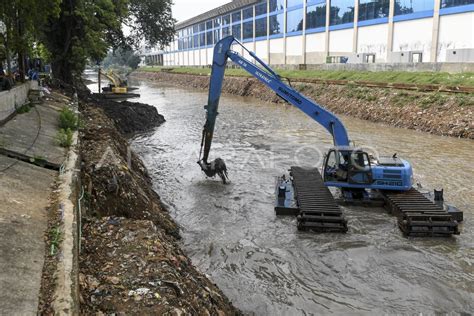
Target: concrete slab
[34, 134]
[24, 193]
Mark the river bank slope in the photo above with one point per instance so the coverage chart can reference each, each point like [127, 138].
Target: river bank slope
[131, 261]
[432, 112]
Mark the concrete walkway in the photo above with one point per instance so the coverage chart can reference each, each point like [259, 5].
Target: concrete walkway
[24, 197]
[33, 134]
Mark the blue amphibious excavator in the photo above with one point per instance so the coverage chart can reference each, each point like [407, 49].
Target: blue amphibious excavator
[362, 178]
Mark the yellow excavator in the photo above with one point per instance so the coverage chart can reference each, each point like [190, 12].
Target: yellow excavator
[116, 84]
[117, 88]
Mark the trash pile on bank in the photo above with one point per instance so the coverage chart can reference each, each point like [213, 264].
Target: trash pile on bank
[130, 261]
[133, 267]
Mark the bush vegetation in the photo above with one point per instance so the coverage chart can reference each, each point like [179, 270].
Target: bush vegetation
[25, 108]
[68, 119]
[64, 137]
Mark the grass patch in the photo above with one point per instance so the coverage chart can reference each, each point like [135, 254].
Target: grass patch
[443, 78]
[402, 98]
[64, 137]
[25, 108]
[55, 239]
[432, 99]
[38, 160]
[360, 93]
[68, 119]
[465, 100]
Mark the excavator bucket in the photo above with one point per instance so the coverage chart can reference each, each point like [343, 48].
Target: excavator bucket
[216, 167]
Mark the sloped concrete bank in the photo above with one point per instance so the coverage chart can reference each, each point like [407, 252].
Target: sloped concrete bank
[436, 113]
[131, 261]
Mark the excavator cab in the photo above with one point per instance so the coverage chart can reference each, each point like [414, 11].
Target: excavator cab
[347, 165]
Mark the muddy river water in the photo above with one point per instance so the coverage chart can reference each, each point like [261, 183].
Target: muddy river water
[260, 261]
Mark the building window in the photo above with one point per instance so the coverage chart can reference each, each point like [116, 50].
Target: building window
[202, 39]
[202, 27]
[209, 25]
[276, 5]
[209, 38]
[261, 9]
[410, 6]
[342, 11]
[455, 3]
[316, 16]
[373, 9]
[292, 3]
[248, 30]
[236, 31]
[236, 17]
[294, 20]
[226, 19]
[196, 41]
[276, 24]
[247, 13]
[217, 22]
[217, 36]
[261, 27]
[225, 31]
[195, 28]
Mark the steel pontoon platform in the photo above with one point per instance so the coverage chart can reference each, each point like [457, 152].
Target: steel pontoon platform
[419, 216]
[318, 211]
[304, 195]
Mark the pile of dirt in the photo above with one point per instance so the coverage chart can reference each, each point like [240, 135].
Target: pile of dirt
[132, 117]
[116, 181]
[436, 113]
[129, 117]
[130, 261]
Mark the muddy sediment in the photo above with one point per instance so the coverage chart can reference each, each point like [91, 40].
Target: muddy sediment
[131, 261]
[436, 113]
[131, 117]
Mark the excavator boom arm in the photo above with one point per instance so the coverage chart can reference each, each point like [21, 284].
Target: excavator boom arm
[111, 78]
[268, 77]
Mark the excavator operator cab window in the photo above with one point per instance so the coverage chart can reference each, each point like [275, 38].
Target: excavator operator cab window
[360, 171]
[336, 166]
[347, 166]
[360, 160]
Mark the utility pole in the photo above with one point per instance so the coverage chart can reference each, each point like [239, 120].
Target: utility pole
[98, 78]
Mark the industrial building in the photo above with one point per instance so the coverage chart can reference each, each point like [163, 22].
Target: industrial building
[295, 32]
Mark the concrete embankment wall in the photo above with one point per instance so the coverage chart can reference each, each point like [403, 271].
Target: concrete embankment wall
[436, 113]
[10, 100]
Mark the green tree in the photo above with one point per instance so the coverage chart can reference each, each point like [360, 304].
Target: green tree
[23, 21]
[86, 29]
[122, 57]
